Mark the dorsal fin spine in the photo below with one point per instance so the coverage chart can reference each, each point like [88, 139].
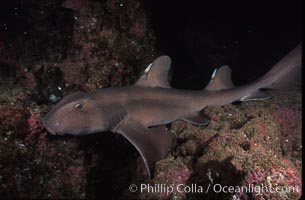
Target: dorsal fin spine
[214, 73]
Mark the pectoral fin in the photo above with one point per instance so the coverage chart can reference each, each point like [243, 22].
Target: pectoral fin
[152, 143]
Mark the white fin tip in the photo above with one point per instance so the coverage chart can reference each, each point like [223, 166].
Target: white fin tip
[214, 73]
[148, 68]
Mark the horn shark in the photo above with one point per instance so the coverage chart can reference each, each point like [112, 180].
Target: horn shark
[137, 111]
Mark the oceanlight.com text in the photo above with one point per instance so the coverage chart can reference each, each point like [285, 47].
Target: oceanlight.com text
[217, 188]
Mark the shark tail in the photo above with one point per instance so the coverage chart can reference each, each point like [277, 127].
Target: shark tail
[285, 74]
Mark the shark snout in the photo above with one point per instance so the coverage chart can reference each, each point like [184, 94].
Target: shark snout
[51, 131]
[50, 125]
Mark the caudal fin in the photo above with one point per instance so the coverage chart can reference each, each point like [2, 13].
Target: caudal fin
[287, 73]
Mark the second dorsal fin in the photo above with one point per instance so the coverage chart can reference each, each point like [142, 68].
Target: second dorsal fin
[220, 80]
[156, 74]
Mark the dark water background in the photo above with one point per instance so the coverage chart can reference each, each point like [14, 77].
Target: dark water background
[250, 36]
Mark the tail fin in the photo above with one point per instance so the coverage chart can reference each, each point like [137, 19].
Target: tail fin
[286, 73]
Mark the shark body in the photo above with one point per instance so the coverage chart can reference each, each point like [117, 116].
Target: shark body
[137, 111]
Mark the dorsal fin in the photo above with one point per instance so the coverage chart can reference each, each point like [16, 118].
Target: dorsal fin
[221, 79]
[156, 74]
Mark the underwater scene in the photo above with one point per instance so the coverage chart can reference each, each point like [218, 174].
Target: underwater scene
[150, 99]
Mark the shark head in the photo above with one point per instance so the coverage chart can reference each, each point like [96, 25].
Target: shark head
[75, 114]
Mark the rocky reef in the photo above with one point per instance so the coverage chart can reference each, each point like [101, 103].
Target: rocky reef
[58, 47]
[50, 49]
[257, 145]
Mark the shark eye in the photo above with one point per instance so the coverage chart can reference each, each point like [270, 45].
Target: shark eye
[78, 106]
